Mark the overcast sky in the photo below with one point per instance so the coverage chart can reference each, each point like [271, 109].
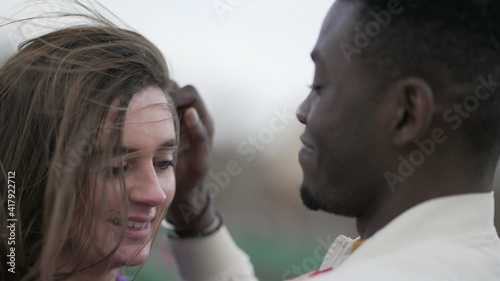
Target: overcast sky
[248, 58]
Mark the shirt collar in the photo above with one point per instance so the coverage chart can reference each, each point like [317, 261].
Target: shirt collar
[443, 217]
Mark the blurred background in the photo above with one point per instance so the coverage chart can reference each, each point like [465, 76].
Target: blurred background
[249, 59]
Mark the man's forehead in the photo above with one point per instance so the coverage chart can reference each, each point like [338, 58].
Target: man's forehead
[336, 26]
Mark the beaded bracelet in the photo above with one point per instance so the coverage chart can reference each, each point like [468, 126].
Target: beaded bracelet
[174, 233]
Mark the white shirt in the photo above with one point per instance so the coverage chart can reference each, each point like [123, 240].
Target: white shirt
[212, 258]
[445, 239]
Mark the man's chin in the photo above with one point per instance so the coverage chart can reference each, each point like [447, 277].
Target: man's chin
[308, 199]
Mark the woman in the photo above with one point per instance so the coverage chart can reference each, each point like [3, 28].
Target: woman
[89, 138]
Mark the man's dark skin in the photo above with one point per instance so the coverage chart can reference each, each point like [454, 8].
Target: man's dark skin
[349, 142]
[354, 133]
[187, 211]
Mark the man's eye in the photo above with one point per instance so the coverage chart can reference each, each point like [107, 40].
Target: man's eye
[315, 88]
[118, 170]
[165, 164]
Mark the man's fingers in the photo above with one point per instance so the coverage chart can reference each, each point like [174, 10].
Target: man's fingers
[192, 118]
[188, 97]
[197, 136]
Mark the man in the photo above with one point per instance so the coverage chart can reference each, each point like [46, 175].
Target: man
[401, 133]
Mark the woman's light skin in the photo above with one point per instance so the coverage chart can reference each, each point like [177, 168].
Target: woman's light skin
[149, 142]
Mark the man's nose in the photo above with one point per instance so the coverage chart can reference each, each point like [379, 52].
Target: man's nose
[303, 110]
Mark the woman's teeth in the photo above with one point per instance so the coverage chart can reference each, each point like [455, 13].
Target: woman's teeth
[131, 224]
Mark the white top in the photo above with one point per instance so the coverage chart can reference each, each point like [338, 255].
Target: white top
[445, 239]
[212, 258]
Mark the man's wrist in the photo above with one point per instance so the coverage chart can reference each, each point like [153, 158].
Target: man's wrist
[175, 233]
[189, 217]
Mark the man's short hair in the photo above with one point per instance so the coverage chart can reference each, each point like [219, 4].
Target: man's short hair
[449, 43]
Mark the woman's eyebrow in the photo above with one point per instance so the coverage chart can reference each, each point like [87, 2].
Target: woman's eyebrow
[172, 143]
[123, 150]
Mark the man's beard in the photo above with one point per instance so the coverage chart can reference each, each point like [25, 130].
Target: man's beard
[308, 199]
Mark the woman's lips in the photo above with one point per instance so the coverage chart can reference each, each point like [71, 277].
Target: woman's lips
[130, 223]
[136, 228]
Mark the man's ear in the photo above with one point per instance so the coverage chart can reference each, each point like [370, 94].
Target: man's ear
[415, 108]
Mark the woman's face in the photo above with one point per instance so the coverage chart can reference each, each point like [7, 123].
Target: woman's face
[145, 160]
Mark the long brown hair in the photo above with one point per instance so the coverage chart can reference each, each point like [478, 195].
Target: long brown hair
[54, 95]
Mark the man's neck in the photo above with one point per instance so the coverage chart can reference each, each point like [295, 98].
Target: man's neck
[410, 195]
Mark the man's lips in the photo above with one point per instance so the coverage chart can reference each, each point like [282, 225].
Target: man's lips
[306, 144]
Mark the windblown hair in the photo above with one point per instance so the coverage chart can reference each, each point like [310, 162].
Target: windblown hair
[449, 43]
[54, 95]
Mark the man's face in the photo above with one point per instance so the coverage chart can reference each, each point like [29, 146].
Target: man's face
[339, 156]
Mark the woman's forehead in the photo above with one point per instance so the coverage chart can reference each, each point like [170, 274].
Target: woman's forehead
[148, 121]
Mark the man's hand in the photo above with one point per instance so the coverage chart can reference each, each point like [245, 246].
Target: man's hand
[189, 206]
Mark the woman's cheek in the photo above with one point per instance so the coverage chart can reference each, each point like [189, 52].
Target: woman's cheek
[169, 187]
[110, 192]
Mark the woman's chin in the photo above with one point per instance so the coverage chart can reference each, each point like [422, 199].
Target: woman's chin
[130, 257]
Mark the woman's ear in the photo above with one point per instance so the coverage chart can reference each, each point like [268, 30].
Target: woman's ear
[414, 111]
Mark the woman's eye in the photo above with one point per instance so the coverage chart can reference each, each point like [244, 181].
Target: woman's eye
[118, 170]
[165, 164]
